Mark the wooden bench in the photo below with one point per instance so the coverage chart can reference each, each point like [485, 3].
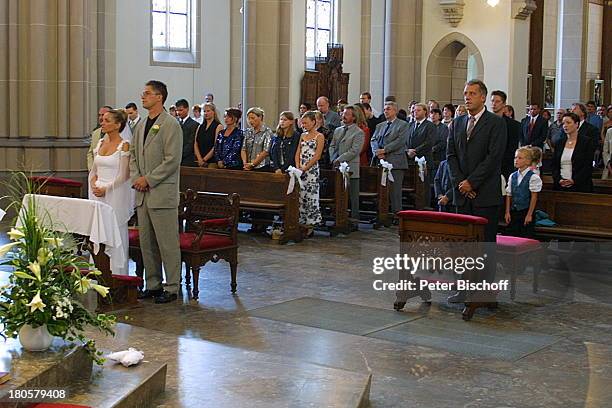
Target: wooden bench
[333, 199]
[370, 190]
[581, 216]
[258, 191]
[413, 188]
[599, 186]
[56, 186]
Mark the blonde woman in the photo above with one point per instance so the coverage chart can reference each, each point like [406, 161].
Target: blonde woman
[205, 136]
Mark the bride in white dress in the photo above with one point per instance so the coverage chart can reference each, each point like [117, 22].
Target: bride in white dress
[109, 178]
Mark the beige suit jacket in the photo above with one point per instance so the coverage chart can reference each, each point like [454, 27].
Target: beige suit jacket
[95, 138]
[158, 159]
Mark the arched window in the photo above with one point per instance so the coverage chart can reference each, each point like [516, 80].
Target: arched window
[174, 31]
[320, 28]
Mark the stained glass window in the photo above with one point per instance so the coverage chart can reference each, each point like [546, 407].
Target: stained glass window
[319, 28]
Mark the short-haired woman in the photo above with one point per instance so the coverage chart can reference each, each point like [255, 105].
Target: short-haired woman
[229, 141]
[255, 152]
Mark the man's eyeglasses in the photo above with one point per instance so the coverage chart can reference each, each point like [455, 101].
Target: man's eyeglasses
[149, 93]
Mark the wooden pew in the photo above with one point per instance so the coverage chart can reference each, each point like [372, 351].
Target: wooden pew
[371, 190]
[414, 187]
[259, 192]
[334, 198]
[581, 216]
[599, 186]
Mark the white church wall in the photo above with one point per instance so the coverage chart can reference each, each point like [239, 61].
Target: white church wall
[488, 27]
[349, 36]
[133, 55]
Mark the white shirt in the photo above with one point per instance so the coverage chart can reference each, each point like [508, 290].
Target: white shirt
[131, 123]
[566, 163]
[535, 182]
[476, 117]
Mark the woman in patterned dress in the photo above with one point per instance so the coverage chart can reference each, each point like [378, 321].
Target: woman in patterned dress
[307, 158]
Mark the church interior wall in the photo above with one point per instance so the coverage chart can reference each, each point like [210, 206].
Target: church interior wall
[593, 56]
[549, 40]
[477, 19]
[133, 60]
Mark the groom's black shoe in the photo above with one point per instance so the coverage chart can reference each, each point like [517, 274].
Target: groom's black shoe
[166, 297]
[147, 294]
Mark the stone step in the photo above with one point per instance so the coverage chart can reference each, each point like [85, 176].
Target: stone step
[57, 368]
[116, 386]
[202, 373]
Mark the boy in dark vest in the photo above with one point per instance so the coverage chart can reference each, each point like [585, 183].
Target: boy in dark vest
[522, 195]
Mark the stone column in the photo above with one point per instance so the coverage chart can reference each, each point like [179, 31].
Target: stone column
[403, 37]
[606, 52]
[570, 53]
[48, 84]
[268, 39]
[377, 53]
[519, 53]
[366, 30]
[536, 40]
[236, 34]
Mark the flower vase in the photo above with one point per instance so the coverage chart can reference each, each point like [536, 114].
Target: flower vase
[35, 339]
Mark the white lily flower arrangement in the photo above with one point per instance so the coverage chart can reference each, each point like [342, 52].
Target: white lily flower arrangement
[48, 276]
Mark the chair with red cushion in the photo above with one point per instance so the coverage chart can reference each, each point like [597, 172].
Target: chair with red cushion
[419, 229]
[210, 233]
[56, 186]
[516, 253]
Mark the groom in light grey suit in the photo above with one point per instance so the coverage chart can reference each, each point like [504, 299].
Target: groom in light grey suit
[154, 169]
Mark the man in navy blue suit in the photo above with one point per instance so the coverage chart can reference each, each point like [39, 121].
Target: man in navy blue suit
[535, 127]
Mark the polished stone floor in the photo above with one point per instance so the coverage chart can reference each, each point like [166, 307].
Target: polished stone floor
[573, 306]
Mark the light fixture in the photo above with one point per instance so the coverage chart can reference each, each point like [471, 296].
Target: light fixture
[492, 3]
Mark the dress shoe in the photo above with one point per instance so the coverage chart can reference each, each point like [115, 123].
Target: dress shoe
[426, 296]
[147, 294]
[166, 297]
[458, 297]
[399, 305]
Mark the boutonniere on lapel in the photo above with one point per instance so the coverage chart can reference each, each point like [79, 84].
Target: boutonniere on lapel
[154, 129]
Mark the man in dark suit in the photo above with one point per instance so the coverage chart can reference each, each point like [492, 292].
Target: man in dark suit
[133, 117]
[498, 105]
[189, 127]
[421, 139]
[389, 143]
[586, 129]
[535, 128]
[476, 145]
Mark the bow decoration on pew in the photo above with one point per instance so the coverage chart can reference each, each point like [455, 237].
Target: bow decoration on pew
[344, 169]
[294, 174]
[422, 167]
[387, 167]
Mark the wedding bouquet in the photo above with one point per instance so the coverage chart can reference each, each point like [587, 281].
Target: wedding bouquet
[46, 281]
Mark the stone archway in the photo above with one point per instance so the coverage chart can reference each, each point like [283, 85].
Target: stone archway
[453, 60]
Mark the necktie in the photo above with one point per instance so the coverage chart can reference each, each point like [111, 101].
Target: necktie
[470, 128]
[181, 121]
[382, 139]
[531, 125]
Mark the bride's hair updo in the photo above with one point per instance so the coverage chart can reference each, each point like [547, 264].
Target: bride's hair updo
[119, 116]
